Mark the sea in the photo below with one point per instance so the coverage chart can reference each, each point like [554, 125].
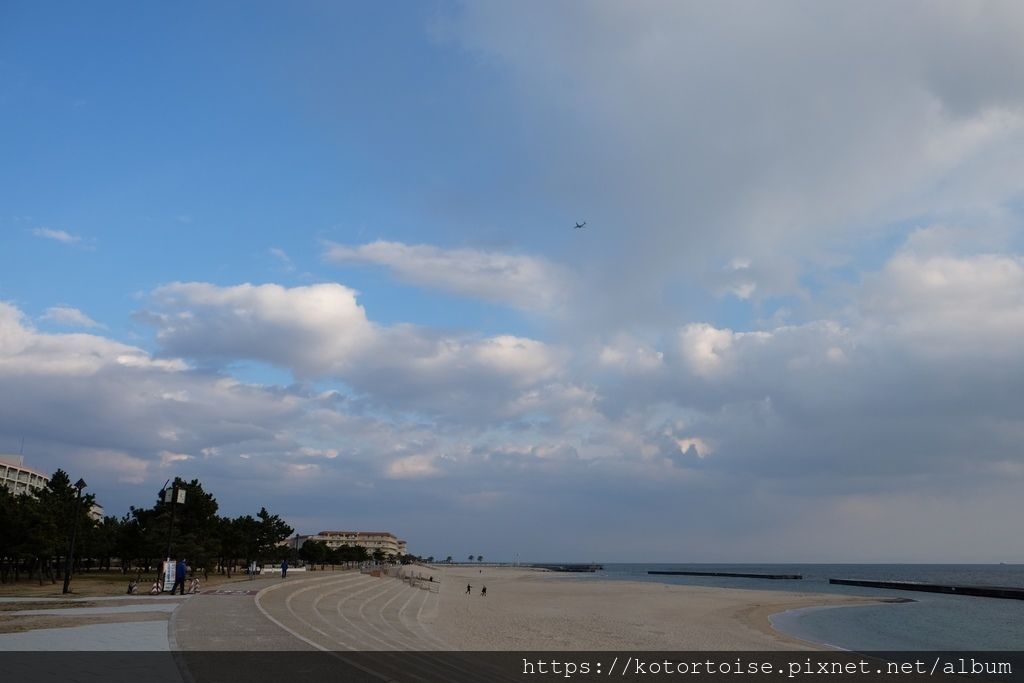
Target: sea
[929, 621]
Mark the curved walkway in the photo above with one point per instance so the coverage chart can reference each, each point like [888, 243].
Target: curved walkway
[353, 612]
[333, 611]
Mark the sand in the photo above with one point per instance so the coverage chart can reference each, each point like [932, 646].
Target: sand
[534, 610]
[523, 610]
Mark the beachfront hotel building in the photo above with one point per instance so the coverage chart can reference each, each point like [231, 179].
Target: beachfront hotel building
[384, 541]
[17, 478]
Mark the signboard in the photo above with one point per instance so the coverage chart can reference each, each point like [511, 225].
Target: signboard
[169, 572]
[173, 495]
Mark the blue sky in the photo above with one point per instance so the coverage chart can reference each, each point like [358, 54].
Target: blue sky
[322, 256]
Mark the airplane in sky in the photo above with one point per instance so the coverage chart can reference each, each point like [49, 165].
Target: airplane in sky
[581, 225]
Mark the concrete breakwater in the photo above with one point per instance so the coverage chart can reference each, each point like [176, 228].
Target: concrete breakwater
[978, 591]
[568, 567]
[733, 574]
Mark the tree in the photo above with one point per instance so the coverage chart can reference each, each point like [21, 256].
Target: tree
[195, 525]
[271, 531]
[479, 558]
[60, 510]
[314, 552]
[128, 544]
[232, 536]
[100, 542]
[470, 558]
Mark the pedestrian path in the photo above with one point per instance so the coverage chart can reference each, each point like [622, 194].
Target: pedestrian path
[101, 598]
[134, 636]
[87, 611]
[352, 611]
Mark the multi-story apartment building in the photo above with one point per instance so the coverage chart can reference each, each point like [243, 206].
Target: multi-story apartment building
[20, 479]
[384, 541]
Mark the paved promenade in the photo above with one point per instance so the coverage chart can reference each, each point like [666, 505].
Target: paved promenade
[343, 611]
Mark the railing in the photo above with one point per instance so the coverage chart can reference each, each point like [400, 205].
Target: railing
[413, 575]
[410, 574]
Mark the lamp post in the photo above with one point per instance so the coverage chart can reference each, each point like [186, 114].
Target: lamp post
[171, 496]
[80, 484]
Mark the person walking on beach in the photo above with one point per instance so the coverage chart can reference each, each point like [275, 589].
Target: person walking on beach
[469, 589]
[483, 591]
[179, 576]
[284, 567]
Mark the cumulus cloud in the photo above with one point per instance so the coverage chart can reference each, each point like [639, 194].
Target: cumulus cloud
[313, 330]
[83, 408]
[530, 283]
[828, 414]
[320, 331]
[947, 305]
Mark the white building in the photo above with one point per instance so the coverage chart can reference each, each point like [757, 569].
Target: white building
[20, 479]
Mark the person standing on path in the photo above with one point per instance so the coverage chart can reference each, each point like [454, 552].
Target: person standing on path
[284, 567]
[179, 576]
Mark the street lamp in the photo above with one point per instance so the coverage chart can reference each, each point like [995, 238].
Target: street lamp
[172, 495]
[80, 484]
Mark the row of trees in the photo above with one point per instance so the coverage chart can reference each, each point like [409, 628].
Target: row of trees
[34, 533]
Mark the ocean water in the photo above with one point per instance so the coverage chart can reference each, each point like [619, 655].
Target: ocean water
[933, 621]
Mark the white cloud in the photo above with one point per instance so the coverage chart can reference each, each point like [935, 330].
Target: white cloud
[705, 348]
[169, 458]
[57, 235]
[530, 283]
[313, 330]
[747, 424]
[948, 305]
[320, 331]
[628, 354]
[413, 467]
[309, 452]
[67, 315]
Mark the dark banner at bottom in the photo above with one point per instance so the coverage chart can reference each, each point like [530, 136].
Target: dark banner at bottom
[525, 667]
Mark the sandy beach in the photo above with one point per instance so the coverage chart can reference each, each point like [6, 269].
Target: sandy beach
[524, 609]
[538, 610]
